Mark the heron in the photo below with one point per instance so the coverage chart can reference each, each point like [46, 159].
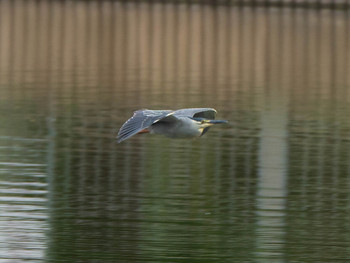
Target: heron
[182, 123]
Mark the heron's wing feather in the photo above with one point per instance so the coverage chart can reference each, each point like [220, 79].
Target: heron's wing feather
[141, 120]
[168, 118]
[207, 113]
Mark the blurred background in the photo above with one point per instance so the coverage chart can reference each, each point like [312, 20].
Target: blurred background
[271, 186]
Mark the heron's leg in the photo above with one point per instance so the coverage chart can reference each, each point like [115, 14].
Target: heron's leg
[143, 131]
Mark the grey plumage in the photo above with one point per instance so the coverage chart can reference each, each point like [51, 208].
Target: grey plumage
[183, 123]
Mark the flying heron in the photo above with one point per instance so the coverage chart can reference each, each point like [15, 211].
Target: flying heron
[183, 123]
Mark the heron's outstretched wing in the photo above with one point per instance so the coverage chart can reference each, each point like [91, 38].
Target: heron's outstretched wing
[207, 113]
[141, 120]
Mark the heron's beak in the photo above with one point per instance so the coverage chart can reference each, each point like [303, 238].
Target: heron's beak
[209, 123]
[216, 121]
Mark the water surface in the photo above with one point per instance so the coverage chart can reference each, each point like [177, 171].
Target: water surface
[271, 186]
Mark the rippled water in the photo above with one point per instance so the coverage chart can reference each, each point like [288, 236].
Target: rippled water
[273, 185]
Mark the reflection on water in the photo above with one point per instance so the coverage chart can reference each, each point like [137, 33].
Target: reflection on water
[272, 185]
[23, 192]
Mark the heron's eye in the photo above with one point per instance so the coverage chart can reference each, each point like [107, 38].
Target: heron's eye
[203, 121]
